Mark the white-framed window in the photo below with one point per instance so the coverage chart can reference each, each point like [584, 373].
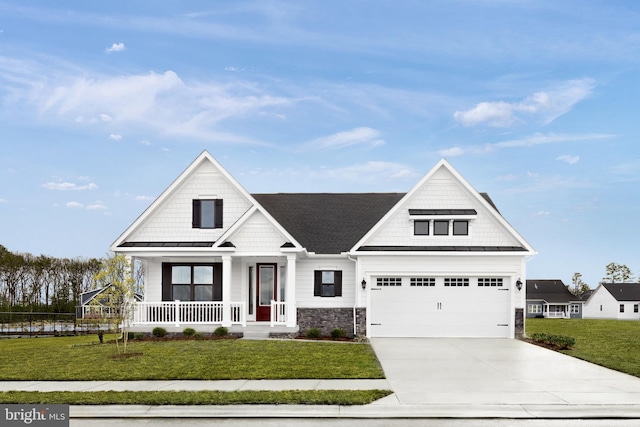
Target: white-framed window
[490, 281]
[534, 308]
[389, 281]
[456, 281]
[423, 281]
[575, 308]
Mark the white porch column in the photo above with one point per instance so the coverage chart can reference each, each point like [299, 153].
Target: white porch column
[291, 291]
[226, 290]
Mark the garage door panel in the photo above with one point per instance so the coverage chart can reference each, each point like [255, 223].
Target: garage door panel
[439, 311]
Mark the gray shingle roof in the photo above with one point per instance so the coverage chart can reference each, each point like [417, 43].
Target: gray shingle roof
[550, 291]
[328, 223]
[624, 291]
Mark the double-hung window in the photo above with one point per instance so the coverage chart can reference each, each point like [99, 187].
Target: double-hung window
[327, 283]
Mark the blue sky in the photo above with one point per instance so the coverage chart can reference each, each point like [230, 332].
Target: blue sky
[103, 104]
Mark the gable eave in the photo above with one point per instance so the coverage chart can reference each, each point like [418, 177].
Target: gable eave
[529, 251]
[204, 156]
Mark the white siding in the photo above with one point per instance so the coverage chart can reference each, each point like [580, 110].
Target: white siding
[171, 221]
[304, 282]
[258, 235]
[602, 305]
[443, 191]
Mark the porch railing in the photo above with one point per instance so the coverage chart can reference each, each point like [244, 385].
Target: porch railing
[278, 312]
[193, 312]
[556, 314]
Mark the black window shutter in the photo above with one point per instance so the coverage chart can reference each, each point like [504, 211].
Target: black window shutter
[196, 214]
[217, 282]
[166, 282]
[337, 281]
[317, 283]
[217, 213]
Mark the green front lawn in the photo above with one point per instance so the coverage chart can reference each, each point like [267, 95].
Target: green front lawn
[614, 344]
[66, 358]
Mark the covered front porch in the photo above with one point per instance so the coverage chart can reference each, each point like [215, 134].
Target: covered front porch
[556, 311]
[224, 290]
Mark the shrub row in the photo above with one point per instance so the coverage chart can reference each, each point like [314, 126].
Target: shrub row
[159, 332]
[560, 341]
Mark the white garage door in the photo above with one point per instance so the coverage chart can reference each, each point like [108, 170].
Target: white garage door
[440, 307]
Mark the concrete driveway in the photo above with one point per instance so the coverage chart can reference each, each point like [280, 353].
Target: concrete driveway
[474, 371]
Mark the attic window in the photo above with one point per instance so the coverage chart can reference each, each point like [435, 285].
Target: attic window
[207, 213]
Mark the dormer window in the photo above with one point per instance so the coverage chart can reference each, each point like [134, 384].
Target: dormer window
[207, 213]
[442, 222]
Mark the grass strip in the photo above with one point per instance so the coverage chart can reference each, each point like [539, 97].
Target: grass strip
[291, 397]
[613, 344]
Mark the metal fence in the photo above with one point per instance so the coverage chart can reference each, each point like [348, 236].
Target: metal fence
[33, 324]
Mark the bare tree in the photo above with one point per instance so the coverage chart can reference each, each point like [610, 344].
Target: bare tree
[617, 273]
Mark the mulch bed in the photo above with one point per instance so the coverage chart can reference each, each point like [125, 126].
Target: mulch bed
[543, 344]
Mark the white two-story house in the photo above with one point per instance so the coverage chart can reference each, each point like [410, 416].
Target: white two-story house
[438, 261]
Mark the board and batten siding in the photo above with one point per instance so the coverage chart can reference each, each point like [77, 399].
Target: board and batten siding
[443, 191]
[172, 221]
[305, 278]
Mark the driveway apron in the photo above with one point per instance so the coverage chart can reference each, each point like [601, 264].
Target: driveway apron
[476, 371]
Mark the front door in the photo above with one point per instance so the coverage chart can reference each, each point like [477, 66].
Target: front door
[266, 290]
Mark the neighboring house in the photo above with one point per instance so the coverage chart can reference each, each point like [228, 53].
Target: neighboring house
[614, 301]
[93, 304]
[439, 260]
[551, 298]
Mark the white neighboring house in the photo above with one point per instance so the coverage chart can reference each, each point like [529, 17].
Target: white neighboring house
[438, 261]
[614, 301]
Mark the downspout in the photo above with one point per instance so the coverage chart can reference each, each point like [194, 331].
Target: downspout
[355, 302]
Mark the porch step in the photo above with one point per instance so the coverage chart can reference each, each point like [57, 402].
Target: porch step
[255, 335]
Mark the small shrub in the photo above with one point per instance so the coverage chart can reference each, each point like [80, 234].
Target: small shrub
[198, 336]
[189, 332]
[313, 333]
[159, 332]
[221, 331]
[559, 341]
[138, 336]
[337, 333]
[130, 335]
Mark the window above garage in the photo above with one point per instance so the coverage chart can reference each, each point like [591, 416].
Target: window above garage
[442, 222]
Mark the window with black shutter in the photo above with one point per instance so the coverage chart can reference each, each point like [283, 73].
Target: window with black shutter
[327, 283]
[207, 213]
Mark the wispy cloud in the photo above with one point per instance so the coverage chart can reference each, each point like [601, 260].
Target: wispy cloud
[3, 200]
[116, 47]
[530, 141]
[157, 102]
[98, 205]
[358, 136]
[74, 205]
[542, 107]
[572, 160]
[115, 136]
[68, 186]
[144, 198]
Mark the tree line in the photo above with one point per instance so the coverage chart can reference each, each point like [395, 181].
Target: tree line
[614, 273]
[43, 283]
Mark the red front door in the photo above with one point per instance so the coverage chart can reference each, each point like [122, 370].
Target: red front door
[266, 290]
